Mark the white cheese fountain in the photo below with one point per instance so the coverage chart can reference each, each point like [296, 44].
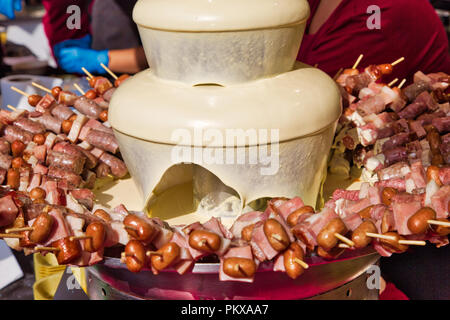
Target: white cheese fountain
[218, 65]
[217, 68]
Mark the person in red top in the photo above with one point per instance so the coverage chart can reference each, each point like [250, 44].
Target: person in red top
[55, 20]
[106, 34]
[337, 33]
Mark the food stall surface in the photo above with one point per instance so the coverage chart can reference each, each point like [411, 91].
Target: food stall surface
[22, 289]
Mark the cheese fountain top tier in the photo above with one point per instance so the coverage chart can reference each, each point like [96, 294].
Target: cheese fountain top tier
[224, 116]
[220, 41]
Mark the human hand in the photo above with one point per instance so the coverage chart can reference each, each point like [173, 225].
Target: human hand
[84, 43]
[72, 59]
[8, 7]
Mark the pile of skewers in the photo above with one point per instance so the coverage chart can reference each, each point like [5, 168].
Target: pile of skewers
[55, 212]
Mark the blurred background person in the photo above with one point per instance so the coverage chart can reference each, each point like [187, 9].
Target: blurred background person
[108, 35]
[337, 33]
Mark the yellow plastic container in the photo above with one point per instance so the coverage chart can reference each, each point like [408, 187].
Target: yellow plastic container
[48, 274]
[45, 288]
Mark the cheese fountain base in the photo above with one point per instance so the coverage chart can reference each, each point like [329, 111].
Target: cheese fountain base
[340, 279]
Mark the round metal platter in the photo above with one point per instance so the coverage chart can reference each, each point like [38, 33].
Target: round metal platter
[202, 282]
[112, 280]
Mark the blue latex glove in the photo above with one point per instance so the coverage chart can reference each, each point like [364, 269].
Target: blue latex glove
[84, 43]
[7, 7]
[72, 59]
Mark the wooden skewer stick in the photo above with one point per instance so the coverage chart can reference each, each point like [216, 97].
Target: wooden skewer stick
[343, 246]
[380, 236]
[52, 249]
[238, 267]
[87, 73]
[132, 256]
[402, 83]
[12, 236]
[316, 65]
[412, 242]
[79, 89]
[37, 85]
[204, 242]
[302, 263]
[358, 61]
[80, 238]
[398, 61]
[20, 91]
[338, 73]
[276, 237]
[109, 71]
[11, 107]
[15, 230]
[153, 253]
[439, 223]
[344, 239]
[393, 82]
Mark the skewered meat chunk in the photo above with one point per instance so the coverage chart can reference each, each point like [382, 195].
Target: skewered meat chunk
[66, 161]
[87, 107]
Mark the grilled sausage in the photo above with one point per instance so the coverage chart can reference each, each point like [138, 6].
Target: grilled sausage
[331, 254]
[121, 79]
[56, 91]
[91, 94]
[29, 125]
[13, 133]
[418, 222]
[239, 267]
[433, 174]
[247, 232]
[17, 148]
[387, 195]
[39, 139]
[203, 240]
[13, 178]
[17, 163]
[326, 238]
[165, 256]
[441, 230]
[359, 236]
[139, 229]
[66, 161]
[34, 99]
[393, 245]
[292, 219]
[135, 256]
[276, 235]
[290, 256]
[87, 107]
[69, 250]
[97, 233]
[42, 228]
[102, 214]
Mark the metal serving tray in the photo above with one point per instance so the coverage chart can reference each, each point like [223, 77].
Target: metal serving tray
[112, 280]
